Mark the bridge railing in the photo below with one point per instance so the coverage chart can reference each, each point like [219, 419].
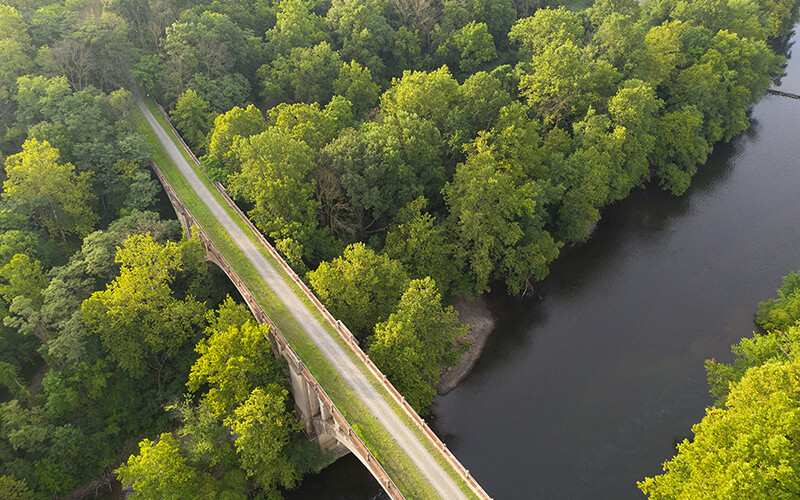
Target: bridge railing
[279, 341]
[345, 334]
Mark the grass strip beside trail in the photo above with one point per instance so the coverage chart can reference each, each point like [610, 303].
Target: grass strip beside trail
[397, 464]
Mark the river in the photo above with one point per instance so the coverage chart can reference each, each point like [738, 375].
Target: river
[586, 390]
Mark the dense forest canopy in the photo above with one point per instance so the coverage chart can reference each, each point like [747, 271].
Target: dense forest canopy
[397, 152]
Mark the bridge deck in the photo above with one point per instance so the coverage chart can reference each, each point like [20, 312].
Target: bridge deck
[418, 469]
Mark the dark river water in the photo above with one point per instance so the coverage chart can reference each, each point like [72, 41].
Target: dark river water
[580, 394]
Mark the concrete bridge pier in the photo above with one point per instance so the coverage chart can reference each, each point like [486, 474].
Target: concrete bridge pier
[313, 412]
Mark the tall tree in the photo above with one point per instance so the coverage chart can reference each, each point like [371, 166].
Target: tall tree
[159, 472]
[360, 287]
[306, 74]
[233, 361]
[137, 317]
[492, 213]
[748, 449]
[423, 245]
[411, 346]
[428, 95]
[221, 160]
[264, 427]
[363, 33]
[355, 84]
[193, 118]
[50, 192]
[783, 312]
[275, 177]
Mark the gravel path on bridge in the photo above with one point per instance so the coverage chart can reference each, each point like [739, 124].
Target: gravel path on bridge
[350, 373]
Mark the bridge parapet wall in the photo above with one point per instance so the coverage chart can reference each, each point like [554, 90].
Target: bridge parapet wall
[342, 330]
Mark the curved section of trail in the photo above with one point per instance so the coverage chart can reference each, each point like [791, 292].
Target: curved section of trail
[406, 439]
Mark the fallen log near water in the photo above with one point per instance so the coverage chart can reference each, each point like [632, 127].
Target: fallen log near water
[784, 94]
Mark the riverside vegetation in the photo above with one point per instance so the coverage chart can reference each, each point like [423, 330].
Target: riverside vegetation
[397, 153]
[747, 444]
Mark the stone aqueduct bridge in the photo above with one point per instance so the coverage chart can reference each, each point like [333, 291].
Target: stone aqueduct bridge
[323, 421]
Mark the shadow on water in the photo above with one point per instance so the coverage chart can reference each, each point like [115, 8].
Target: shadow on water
[345, 479]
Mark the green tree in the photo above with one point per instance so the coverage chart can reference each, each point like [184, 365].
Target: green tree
[233, 361]
[428, 95]
[499, 15]
[361, 287]
[22, 277]
[50, 192]
[364, 33]
[634, 113]
[222, 93]
[412, 345]
[476, 46]
[557, 82]
[296, 26]
[221, 160]
[783, 312]
[209, 43]
[310, 123]
[493, 212]
[380, 169]
[137, 317]
[90, 130]
[159, 472]
[663, 53]
[620, 41]
[12, 380]
[14, 489]
[192, 117]
[422, 245]
[264, 427]
[355, 84]
[771, 346]
[89, 51]
[547, 27]
[306, 74]
[516, 138]
[748, 449]
[480, 99]
[203, 436]
[16, 59]
[679, 148]
[275, 178]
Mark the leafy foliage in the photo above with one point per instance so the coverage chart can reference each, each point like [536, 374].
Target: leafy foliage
[192, 117]
[160, 472]
[783, 312]
[361, 287]
[461, 141]
[746, 445]
[138, 318]
[48, 191]
[233, 361]
[264, 428]
[747, 449]
[412, 345]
